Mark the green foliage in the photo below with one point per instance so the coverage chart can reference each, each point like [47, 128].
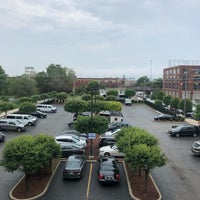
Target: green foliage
[197, 112]
[113, 106]
[29, 153]
[100, 98]
[158, 103]
[86, 97]
[167, 100]
[35, 98]
[110, 98]
[185, 104]
[62, 96]
[76, 106]
[174, 103]
[158, 94]
[27, 107]
[133, 135]
[145, 157]
[6, 106]
[22, 86]
[112, 92]
[129, 93]
[24, 99]
[3, 79]
[95, 124]
[142, 81]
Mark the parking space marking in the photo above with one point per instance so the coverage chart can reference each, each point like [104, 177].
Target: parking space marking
[89, 181]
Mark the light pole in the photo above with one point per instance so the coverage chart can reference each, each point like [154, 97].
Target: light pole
[93, 93]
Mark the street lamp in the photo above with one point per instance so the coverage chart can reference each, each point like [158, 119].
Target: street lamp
[92, 135]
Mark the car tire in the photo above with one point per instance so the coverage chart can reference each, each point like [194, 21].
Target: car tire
[194, 134]
[177, 135]
[19, 129]
[106, 154]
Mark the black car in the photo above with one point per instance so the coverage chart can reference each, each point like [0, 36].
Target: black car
[164, 117]
[39, 114]
[106, 141]
[185, 130]
[117, 125]
[108, 171]
[2, 137]
[74, 167]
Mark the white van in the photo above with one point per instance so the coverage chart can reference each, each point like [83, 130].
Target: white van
[25, 119]
[46, 108]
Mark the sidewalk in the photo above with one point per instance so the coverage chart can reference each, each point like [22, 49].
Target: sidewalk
[191, 121]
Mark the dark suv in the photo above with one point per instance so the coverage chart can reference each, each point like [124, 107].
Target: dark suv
[185, 130]
[106, 141]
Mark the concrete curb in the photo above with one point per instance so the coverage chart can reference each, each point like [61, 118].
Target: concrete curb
[129, 186]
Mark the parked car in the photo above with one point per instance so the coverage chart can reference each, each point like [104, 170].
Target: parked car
[74, 167]
[110, 151]
[106, 141]
[117, 125]
[196, 147]
[2, 137]
[39, 114]
[185, 130]
[70, 149]
[164, 117]
[12, 125]
[108, 171]
[112, 133]
[82, 136]
[190, 115]
[67, 139]
[24, 118]
[46, 108]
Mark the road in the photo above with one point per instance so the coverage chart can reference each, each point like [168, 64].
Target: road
[179, 179]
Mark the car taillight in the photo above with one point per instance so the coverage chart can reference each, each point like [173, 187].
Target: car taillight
[100, 176]
[117, 176]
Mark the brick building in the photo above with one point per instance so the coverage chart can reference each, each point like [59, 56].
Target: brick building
[182, 81]
[108, 82]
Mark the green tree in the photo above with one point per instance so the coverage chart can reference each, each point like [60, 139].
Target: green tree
[174, 103]
[142, 82]
[28, 154]
[6, 106]
[146, 158]
[167, 99]
[158, 103]
[129, 93]
[76, 106]
[95, 124]
[3, 79]
[113, 92]
[111, 98]
[158, 94]
[113, 106]
[42, 82]
[86, 97]
[27, 107]
[157, 83]
[185, 105]
[22, 86]
[62, 96]
[197, 112]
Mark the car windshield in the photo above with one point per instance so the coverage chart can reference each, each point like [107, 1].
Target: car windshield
[73, 164]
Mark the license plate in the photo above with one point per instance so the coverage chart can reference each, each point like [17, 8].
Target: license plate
[109, 178]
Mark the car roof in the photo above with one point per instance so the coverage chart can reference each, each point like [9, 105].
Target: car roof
[75, 157]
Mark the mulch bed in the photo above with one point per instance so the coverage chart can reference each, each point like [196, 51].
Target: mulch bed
[37, 183]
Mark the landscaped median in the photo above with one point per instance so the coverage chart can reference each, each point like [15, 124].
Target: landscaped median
[38, 185]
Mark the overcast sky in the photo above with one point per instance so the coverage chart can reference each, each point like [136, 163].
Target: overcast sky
[98, 38]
